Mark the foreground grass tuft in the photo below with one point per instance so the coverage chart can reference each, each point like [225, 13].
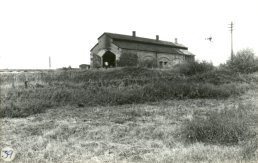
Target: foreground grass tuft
[229, 126]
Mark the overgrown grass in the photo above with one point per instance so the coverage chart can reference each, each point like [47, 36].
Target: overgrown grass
[25, 102]
[111, 87]
[130, 115]
[218, 77]
[228, 126]
[128, 133]
[78, 76]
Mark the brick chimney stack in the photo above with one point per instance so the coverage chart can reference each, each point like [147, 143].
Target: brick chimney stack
[176, 40]
[157, 37]
[134, 34]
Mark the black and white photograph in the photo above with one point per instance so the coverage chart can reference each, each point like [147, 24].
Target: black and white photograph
[128, 81]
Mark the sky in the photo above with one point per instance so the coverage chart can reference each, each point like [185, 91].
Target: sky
[66, 30]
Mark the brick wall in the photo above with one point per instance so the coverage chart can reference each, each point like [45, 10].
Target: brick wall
[162, 60]
[104, 44]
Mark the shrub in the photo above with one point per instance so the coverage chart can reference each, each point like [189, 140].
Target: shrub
[195, 67]
[149, 63]
[244, 62]
[128, 59]
[227, 127]
[217, 77]
[66, 68]
[249, 149]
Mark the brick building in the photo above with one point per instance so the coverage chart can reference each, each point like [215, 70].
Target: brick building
[116, 50]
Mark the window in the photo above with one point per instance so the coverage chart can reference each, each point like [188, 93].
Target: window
[160, 64]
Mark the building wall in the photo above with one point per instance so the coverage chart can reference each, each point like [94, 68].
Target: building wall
[152, 59]
[104, 44]
[166, 60]
[143, 56]
[163, 60]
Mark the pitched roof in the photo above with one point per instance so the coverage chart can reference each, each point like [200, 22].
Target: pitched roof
[143, 40]
[146, 44]
[145, 47]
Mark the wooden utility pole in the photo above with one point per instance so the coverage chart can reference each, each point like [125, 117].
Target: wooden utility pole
[231, 25]
[49, 62]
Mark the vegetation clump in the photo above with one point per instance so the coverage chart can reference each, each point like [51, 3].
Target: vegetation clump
[228, 126]
[195, 67]
[244, 61]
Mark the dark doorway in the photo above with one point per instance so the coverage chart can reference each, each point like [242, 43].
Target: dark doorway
[109, 59]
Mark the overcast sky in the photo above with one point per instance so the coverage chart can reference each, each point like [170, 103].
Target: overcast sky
[66, 30]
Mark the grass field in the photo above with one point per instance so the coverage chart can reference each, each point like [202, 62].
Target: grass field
[130, 131]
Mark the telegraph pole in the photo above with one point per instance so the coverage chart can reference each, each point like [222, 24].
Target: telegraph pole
[49, 62]
[231, 28]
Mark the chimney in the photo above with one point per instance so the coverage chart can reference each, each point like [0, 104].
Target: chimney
[134, 34]
[175, 40]
[157, 37]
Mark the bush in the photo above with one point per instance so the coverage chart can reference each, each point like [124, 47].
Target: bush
[195, 67]
[227, 127]
[149, 63]
[128, 59]
[244, 62]
[249, 149]
[217, 77]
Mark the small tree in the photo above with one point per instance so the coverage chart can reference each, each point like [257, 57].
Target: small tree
[195, 67]
[244, 61]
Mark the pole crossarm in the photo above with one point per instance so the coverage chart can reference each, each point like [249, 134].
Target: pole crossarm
[231, 29]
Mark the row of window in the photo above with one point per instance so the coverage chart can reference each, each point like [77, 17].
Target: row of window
[162, 63]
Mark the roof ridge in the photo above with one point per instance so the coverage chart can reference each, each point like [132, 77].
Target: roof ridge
[142, 39]
[131, 36]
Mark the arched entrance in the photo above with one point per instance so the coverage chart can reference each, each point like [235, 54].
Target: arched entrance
[109, 59]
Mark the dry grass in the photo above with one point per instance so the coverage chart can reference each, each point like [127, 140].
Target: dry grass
[146, 128]
[54, 89]
[128, 133]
